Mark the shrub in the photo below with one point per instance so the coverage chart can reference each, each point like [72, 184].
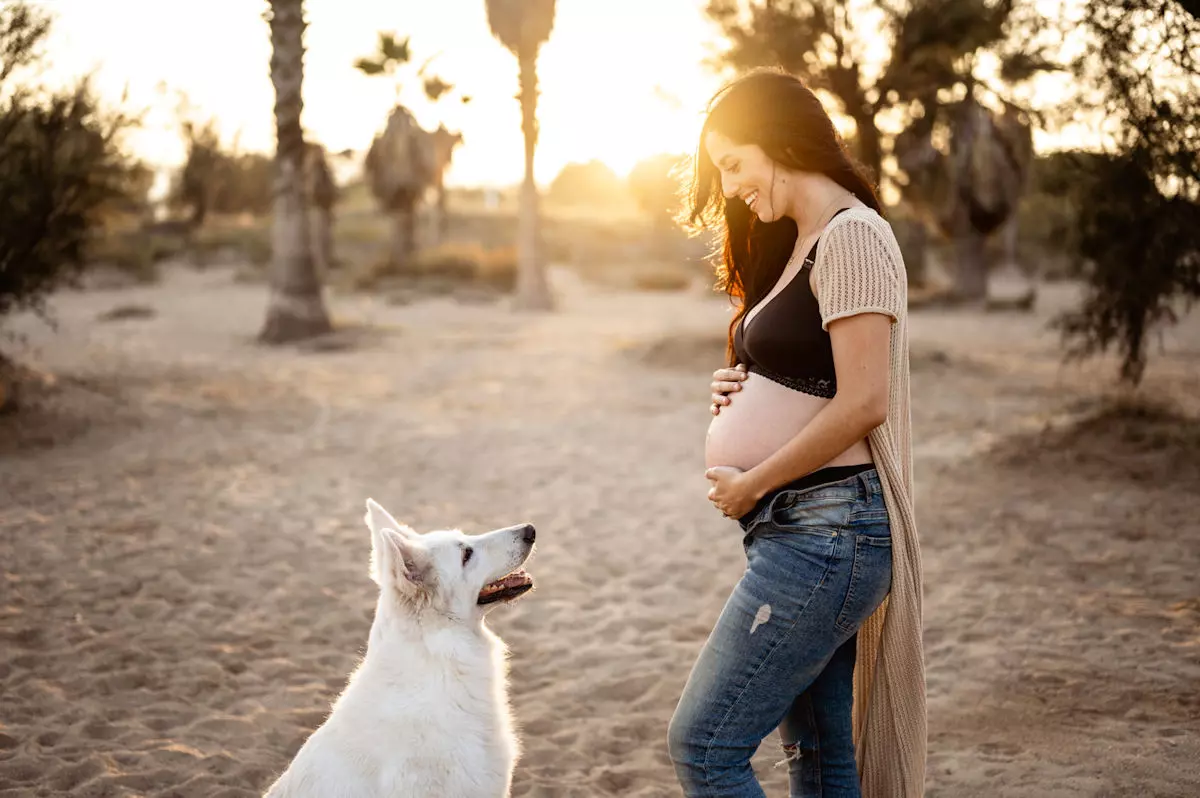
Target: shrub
[60, 168]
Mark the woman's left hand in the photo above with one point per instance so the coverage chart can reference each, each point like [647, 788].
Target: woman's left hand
[731, 491]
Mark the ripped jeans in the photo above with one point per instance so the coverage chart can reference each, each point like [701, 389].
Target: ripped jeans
[819, 562]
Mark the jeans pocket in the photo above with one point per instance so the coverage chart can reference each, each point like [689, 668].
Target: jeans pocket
[824, 513]
[870, 581]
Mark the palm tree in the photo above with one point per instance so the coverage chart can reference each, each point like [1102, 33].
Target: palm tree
[405, 159]
[971, 191]
[320, 192]
[444, 143]
[296, 309]
[399, 169]
[523, 26]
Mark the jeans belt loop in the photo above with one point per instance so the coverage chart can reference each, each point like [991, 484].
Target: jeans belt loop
[867, 490]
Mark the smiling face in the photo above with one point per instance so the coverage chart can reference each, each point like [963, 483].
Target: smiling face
[748, 175]
[476, 573]
[455, 575]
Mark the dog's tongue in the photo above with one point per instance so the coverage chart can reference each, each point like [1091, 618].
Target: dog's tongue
[515, 579]
[511, 580]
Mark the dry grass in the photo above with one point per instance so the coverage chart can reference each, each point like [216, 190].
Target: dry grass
[612, 247]
[441, 269]
[136, 254]
[138, 251]
[1125, 436]
[225, 241]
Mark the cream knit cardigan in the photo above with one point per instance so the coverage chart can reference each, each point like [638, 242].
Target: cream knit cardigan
[859, 269]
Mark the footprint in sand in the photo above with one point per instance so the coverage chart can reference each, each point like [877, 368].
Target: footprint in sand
[168, 723]
[100, 730]
[627, 689]
[20, 771]
[1000, 751]
[45, 739]
[222, 728]
[71, 776]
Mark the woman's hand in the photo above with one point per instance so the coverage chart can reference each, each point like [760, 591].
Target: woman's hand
[732, 492]
[725, 382]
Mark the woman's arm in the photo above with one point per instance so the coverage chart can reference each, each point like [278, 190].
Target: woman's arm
[861, 359]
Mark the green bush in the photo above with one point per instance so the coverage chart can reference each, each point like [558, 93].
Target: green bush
[60, 169]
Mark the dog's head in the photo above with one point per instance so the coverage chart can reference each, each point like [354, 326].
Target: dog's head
[457, 575]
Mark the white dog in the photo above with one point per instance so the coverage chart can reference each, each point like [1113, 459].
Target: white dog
[426, 714]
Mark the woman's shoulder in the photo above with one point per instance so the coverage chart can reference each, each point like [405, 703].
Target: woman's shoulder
[859, 268]
[858, 217]
[859, 227]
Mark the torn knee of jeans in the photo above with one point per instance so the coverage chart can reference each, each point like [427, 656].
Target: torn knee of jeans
[791, 753]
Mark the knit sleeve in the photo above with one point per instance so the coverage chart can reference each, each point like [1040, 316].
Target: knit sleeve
[859, 269]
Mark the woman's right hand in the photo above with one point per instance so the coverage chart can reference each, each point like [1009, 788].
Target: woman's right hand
[726, 381]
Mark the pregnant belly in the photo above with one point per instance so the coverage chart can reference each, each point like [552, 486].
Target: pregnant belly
[762, 417]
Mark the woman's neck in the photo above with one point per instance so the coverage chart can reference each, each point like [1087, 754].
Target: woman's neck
[814, 199]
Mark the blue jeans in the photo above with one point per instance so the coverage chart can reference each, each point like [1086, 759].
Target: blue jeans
[819, 562]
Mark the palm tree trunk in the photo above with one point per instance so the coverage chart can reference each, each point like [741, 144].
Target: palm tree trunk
[443, 221]
[404, 235]
[1010, 236]
[532, 291]
[971, 272]
[296, 309]
[321, 224]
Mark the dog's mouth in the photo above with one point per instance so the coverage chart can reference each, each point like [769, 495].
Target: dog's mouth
[513, 586]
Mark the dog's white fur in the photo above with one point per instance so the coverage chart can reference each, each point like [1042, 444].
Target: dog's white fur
[426, 713]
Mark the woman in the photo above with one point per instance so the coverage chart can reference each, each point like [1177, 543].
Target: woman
[810, 451]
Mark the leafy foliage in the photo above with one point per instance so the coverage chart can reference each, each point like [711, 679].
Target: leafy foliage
[60, 169]
[1139, 204]
[219, 179]
[391, 57]
[935, 46]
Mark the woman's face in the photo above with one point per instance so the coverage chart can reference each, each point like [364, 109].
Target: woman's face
[747, 174]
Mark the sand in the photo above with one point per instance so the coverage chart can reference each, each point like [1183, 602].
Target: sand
[184, 583]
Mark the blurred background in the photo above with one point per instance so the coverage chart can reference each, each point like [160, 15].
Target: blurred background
[262, 261]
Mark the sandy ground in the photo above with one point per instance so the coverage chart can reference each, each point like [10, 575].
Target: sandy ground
[184, 566]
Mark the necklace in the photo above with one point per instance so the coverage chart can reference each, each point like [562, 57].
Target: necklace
[821, 222]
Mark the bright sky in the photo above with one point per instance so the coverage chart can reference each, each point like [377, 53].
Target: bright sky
[603, 79]
[620, 80]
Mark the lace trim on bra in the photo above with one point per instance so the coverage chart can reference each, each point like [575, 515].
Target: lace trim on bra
[813, 386]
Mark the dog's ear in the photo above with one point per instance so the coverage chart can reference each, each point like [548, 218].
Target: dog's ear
[378, 518]
[397, 560]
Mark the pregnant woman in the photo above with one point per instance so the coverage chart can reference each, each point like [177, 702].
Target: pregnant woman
[809, 450]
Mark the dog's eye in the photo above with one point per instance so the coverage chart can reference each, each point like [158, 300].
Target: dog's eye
[467, 552]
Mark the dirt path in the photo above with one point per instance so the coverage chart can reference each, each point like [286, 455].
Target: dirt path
[184, 567]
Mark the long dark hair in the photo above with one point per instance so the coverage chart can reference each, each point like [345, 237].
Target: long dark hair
[782, 116]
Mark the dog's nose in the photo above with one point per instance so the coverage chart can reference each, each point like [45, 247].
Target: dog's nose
[528, 534]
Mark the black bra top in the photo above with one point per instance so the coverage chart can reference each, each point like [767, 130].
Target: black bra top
[785, 342]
